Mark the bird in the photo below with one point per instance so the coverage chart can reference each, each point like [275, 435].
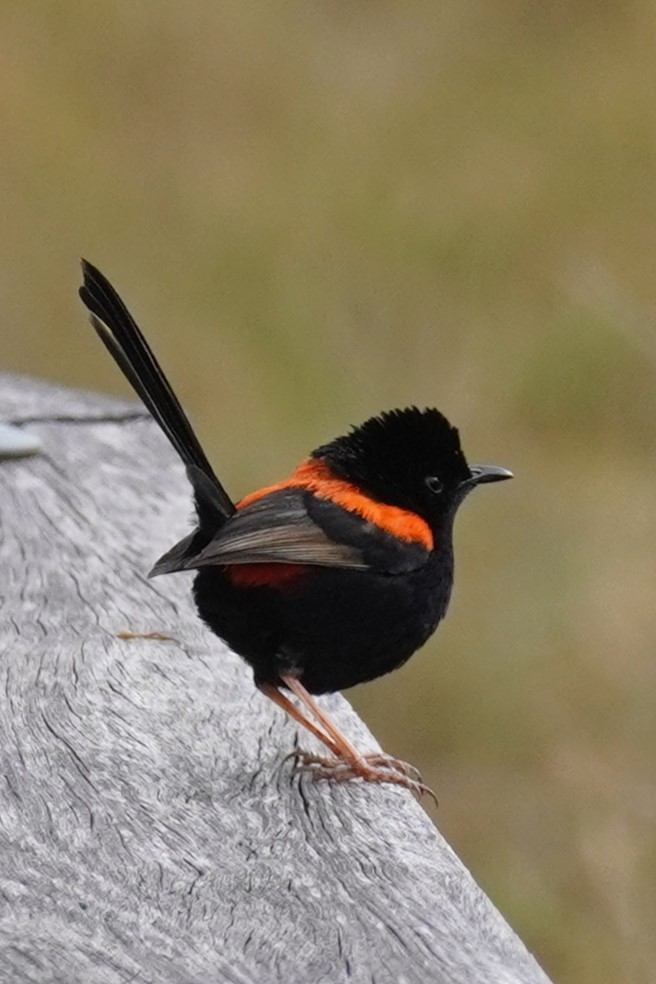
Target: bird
[329, 578]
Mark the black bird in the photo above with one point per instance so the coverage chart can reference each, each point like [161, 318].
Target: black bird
[332, 577]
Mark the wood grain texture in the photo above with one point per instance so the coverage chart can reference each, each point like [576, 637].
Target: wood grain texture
[150, 829]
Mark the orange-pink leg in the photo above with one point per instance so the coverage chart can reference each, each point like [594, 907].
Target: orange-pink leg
[285, 703]
[346, 761]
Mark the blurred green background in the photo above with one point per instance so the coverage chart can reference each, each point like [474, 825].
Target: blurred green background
[320, 210]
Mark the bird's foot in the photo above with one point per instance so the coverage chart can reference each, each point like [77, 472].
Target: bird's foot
[397, 765]
[375, 767]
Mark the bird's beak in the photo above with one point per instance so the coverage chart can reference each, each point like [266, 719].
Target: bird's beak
[487, 473]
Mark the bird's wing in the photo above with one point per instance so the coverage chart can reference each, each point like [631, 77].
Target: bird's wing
[292, 526]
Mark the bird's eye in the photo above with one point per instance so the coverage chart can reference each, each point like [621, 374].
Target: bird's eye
[433, 484]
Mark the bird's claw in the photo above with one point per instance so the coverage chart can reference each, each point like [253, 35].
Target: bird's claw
[397, 765]
[375, 767]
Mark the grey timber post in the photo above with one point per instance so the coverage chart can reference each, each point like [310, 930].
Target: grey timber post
[150, 828]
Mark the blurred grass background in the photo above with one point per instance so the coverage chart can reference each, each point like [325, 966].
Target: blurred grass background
[320, 210]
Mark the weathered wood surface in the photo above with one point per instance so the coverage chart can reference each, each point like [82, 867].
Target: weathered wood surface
[150, 830]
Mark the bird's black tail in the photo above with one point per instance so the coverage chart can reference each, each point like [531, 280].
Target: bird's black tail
[120, 334]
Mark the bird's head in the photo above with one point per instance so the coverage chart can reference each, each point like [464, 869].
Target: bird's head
[409, 458]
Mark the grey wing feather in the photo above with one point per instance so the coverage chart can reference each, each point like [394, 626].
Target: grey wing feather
[275, 529]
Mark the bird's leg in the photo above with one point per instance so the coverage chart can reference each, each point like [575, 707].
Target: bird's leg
[285, 703]
[347, 761]
[342, 747]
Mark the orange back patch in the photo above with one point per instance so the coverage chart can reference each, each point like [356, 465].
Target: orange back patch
[316, 476]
